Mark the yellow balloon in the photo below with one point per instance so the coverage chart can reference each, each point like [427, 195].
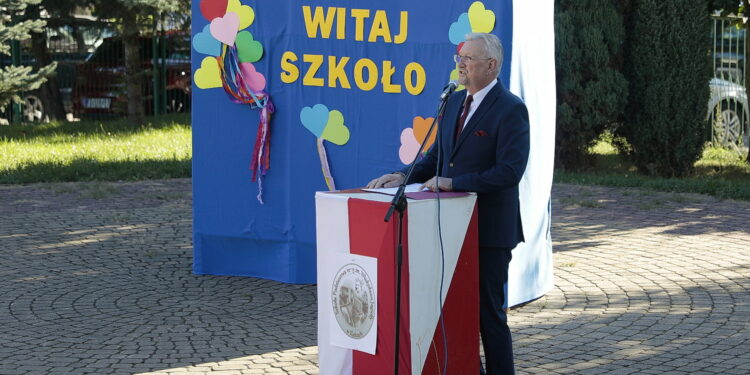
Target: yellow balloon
[246, 13]
[481, 19]
[208, 75]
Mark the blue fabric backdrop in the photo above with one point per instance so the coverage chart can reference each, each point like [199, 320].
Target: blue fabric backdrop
[233, 233]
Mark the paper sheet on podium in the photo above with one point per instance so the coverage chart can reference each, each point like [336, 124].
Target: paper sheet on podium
[411, 188]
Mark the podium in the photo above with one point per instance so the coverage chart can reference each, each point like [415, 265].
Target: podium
[350, 228]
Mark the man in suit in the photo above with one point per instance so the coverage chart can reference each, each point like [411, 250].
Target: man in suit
[484, 141]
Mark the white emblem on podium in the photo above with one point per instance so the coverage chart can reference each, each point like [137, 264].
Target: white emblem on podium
[353, 298]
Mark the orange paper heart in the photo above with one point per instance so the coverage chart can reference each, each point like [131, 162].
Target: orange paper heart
[421, 126]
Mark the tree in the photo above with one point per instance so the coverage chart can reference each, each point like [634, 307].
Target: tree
[133, 16]
[668, 67]
[591, 91]
[17, 79]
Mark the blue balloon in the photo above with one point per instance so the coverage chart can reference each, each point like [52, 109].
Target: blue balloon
[459, 29]
[315, 119]
[205, 43]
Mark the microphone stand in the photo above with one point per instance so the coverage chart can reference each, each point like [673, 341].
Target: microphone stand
[399, 204]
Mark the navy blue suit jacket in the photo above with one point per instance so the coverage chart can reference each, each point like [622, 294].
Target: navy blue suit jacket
[489, 158]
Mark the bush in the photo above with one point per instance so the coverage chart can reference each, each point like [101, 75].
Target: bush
[591, 91]
[668, 67]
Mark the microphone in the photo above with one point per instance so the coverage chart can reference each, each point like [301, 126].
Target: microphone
[448, 89]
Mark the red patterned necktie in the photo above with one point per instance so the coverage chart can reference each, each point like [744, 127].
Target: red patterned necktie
[464, 114]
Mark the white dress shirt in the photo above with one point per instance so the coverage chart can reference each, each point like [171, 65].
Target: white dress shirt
[477, 100]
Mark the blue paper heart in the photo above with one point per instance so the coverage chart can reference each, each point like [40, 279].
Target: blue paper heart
[459, 29]
[315, 118]
[205, 43]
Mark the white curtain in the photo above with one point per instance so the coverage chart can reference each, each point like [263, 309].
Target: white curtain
[532, 77]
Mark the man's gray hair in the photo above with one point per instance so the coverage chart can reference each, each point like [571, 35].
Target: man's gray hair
[492, 46]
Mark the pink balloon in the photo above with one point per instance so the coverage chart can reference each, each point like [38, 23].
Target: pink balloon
[254, 80]
[409, 146]
[224, 29]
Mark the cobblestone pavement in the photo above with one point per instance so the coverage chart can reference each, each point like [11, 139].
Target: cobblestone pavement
[95, 278]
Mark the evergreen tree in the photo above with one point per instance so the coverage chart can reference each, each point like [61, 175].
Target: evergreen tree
[16, 79]
[591, 91]
[668, 67]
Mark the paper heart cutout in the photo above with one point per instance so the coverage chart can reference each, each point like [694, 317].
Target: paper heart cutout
[421, 127]
[314, 119]
[208, 75]
[213, 8]
[245, 12]
[336, 132]
[224, 29]
[254, 80]
[459, 29]
[454, 77]
[206, 44]
[409, 146]
[249, 50]
[482, 20]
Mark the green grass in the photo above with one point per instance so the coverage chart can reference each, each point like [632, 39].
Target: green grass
[720, 173]
[96, 151]
[161, 148]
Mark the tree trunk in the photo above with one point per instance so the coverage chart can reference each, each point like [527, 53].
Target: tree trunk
[49, 92]
[80, 42]
[133, 75]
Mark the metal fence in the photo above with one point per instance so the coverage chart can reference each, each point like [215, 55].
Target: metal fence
[728, 107]
[90, 74]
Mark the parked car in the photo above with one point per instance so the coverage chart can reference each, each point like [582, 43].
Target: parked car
[729, 66]
[32, 110]
[35, 106]
[728, 114]
[100, 85]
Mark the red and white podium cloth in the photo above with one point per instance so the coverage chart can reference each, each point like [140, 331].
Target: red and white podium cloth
[352, 223]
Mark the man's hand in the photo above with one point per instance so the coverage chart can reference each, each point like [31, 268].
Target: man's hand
[386, 181]
[446, 184]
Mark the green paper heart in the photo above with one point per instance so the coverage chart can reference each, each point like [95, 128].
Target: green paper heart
[249, 50]
[336, 132]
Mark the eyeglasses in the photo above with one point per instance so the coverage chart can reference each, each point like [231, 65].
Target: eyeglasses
[467, 59]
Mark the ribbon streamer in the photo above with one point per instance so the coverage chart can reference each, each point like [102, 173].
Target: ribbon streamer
[325, 166]
[239, 91]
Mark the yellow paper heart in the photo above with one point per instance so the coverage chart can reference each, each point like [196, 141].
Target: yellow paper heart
[246, 13]
[208, 76]
[482, 20]
[336, 132]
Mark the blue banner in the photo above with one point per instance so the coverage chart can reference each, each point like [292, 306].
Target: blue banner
[354, 86]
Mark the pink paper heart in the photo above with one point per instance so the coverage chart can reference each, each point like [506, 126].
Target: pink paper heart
[409, 146]
[224, 29]
[254, 80]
